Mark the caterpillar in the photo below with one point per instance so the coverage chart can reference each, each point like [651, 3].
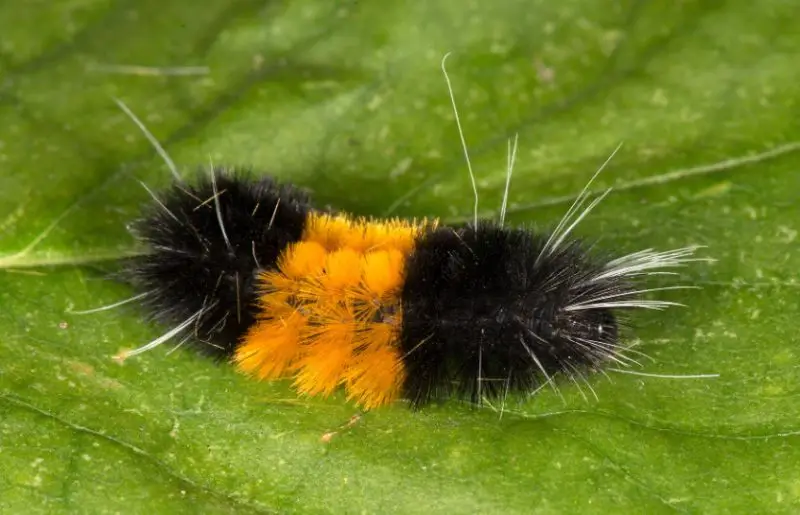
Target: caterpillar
[248, 269]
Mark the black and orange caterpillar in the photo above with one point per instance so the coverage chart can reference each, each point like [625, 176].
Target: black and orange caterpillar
[387, 309]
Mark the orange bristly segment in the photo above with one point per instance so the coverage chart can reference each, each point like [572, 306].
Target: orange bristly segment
[331, 313]
[271, 346]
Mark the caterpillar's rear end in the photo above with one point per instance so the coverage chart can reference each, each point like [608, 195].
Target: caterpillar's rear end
[493, 307]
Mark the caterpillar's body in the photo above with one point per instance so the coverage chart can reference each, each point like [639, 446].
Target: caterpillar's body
[384, 308]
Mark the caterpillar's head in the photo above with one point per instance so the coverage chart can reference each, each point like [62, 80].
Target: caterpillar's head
[489, 308]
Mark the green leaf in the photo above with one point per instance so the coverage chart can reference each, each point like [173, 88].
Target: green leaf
[347, 98]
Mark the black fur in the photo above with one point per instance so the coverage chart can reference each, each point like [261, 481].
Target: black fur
[476, 304]
[190, 267]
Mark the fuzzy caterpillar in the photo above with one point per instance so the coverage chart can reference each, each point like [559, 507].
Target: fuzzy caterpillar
[387, 308]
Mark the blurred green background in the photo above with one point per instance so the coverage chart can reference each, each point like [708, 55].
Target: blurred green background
[347, 98]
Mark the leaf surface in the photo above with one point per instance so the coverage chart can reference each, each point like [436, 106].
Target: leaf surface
[349, 101]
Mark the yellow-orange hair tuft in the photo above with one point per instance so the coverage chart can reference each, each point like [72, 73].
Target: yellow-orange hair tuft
[331, 311]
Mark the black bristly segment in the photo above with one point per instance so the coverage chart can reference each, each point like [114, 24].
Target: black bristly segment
[483, 313]
[191, 268]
